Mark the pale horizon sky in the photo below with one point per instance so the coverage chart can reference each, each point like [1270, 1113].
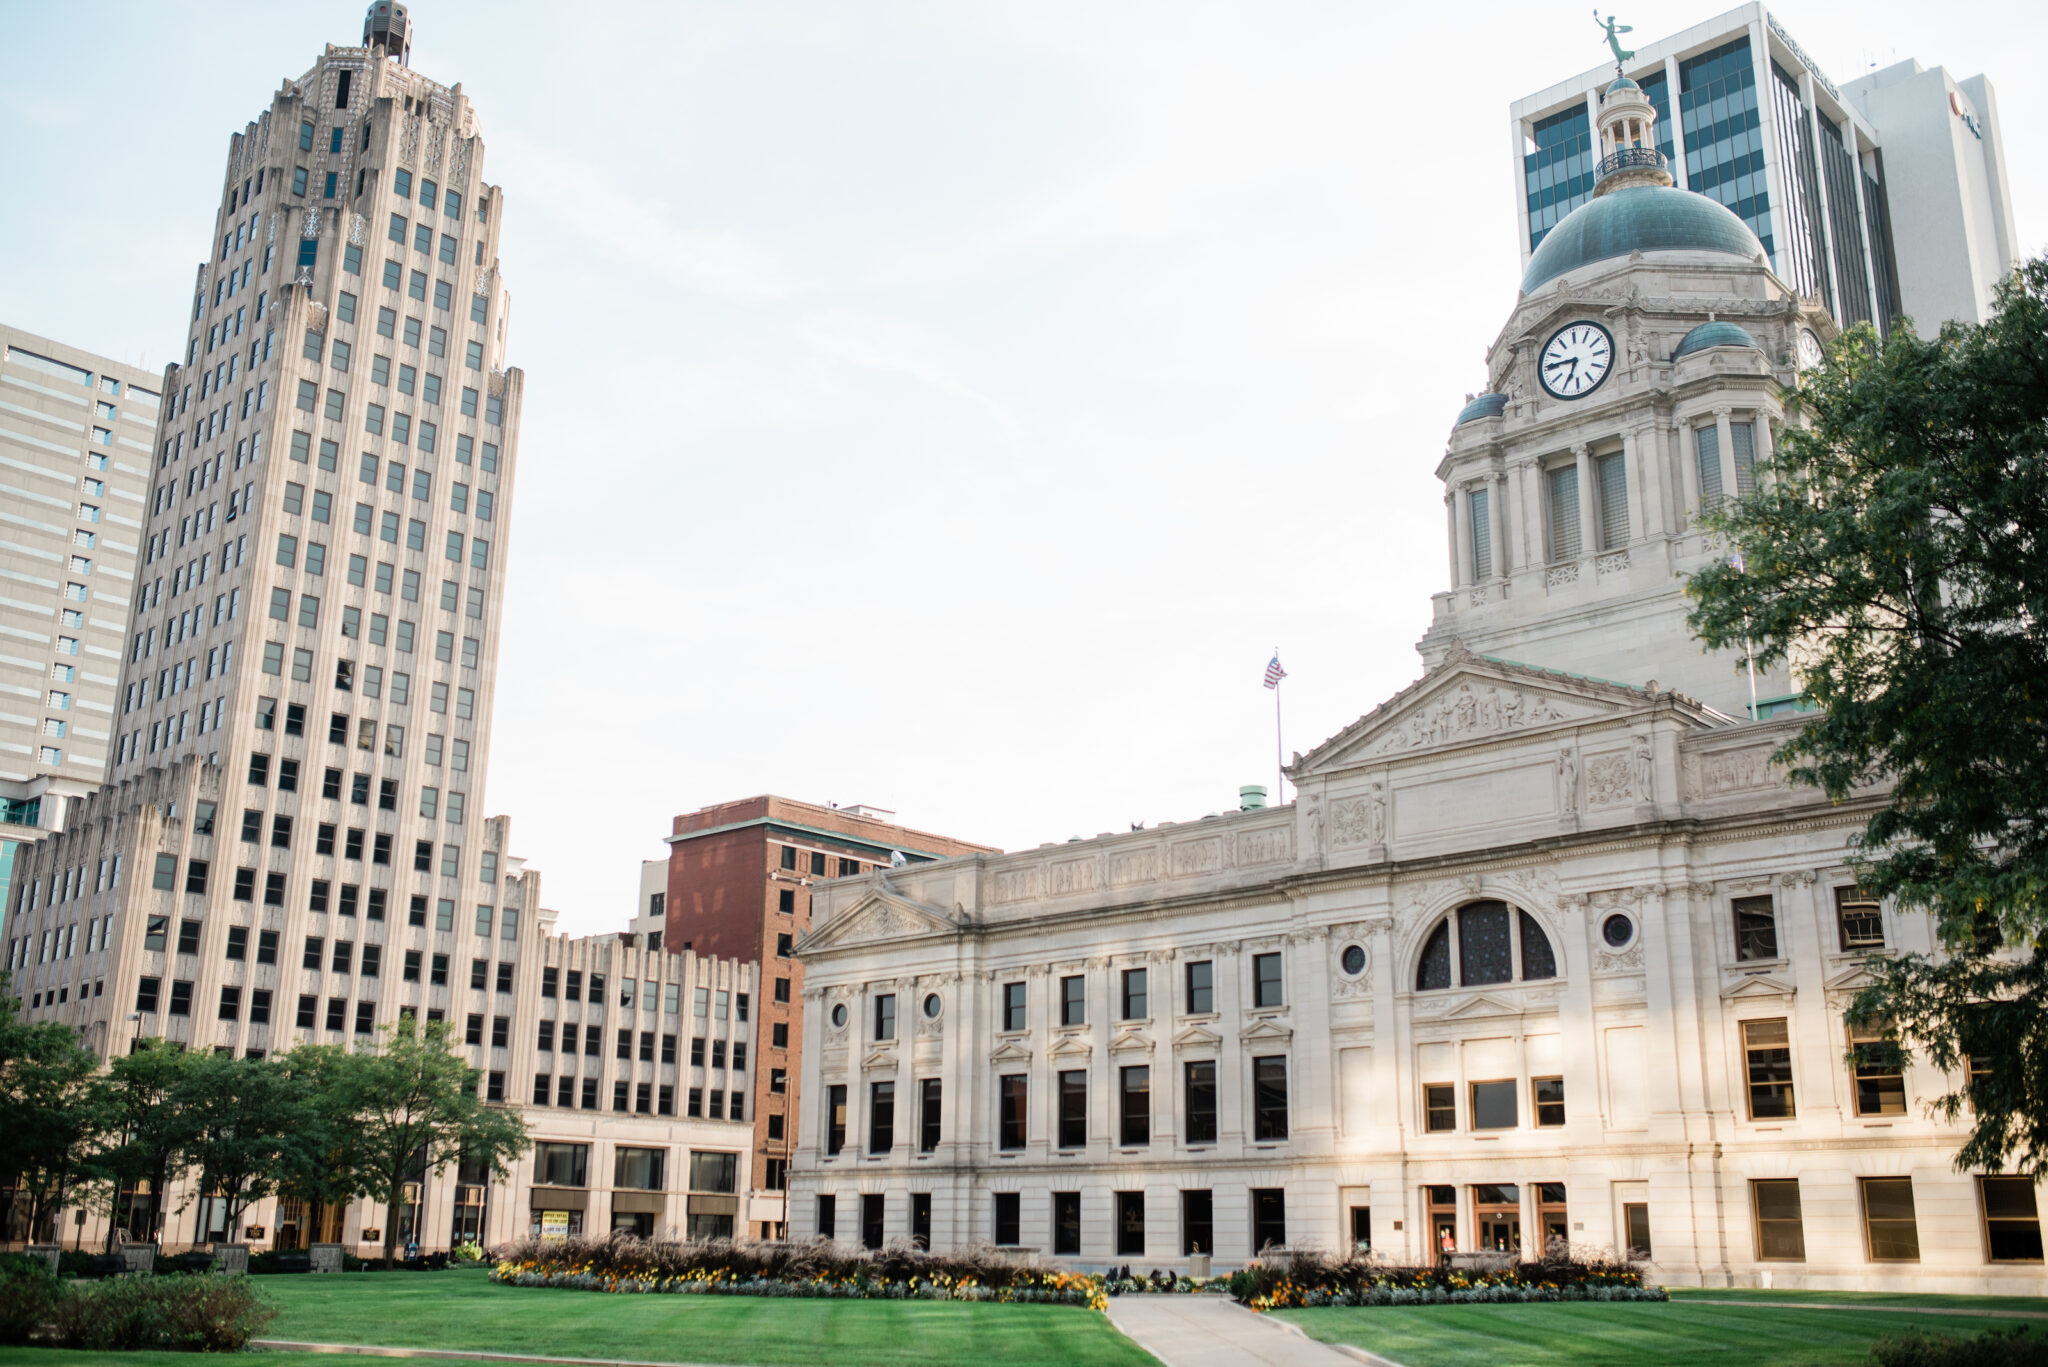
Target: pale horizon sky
[942, 407]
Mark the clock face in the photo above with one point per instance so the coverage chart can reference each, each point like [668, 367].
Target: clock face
[1811, 352]
[1575, 360]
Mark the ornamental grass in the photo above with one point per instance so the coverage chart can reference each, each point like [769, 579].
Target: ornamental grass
[623, 1264]
[1309, 1279]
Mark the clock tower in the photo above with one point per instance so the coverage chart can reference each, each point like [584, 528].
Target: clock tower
[1636, 383]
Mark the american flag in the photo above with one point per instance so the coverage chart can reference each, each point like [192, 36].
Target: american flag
[1274, 673]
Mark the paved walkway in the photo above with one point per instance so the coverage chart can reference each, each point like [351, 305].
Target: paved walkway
[1212, 1331]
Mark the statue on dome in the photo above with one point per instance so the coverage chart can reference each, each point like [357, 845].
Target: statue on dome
[1614, 31]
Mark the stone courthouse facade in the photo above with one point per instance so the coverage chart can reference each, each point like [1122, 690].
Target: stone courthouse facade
[1546, 948]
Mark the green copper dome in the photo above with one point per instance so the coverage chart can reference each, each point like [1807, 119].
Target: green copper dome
[1711, 335]
[1484, 406]
[1648, 218]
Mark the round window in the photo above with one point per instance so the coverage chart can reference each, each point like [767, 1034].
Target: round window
[1617, 930]
[839, 1016]
[1353, 959]
[932, 1005]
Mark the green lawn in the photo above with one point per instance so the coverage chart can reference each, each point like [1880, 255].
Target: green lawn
[2012, 1305]
[1688, 1332]
[464, 1310]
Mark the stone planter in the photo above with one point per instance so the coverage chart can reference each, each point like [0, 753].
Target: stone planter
[326, 1257]
[1481, 1261]
[1198, 1266]
[139, 1257]
[49, 1253]
[231, 1259]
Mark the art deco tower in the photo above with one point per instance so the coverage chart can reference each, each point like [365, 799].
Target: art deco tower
[290, 845]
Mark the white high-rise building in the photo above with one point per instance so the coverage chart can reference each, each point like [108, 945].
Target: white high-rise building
[1885, 198]
[290, 846]
[75, 443]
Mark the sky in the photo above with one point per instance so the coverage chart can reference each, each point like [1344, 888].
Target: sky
[943, 407]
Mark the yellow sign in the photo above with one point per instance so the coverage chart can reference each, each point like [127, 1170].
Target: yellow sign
[554, 1224]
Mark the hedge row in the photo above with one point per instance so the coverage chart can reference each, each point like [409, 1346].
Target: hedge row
[204, 1313]
[721, 1267]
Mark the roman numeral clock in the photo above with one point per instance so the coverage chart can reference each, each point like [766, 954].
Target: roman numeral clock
[1575, 360]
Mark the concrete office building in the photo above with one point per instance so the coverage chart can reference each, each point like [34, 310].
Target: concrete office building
[1547, 948]
[739, 880]
[1863, 197]
[75, 444]
[289, 845]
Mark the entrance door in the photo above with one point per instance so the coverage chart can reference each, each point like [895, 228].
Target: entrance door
[1550, 1210]
[921, 1218]
[1361, 1228]
[1497, 1217]
[1443, 1221]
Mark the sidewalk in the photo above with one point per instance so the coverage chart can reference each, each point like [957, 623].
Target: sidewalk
[1212, 1331]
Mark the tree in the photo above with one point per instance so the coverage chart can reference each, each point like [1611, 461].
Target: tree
[53, 1109]
[1895, 552]
[249, 1120]
[153, 1130]
[406, 1109]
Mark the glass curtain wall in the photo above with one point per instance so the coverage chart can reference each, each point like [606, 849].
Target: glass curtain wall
[1845, 218]
[1803, 264]
[1724, 140]
[1558, 174]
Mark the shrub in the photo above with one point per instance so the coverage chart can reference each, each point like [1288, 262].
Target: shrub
[1311, 1279]
[29, 1294]
[203, 1314]
[621, 1263]
[1998, 1348]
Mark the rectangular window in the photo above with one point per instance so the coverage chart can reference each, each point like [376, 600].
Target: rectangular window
[1706, 442]
[1880, 1072]
[1439, 1107]
[1269, 1098]
[1756, 928]
[1266, 985]
[835, 1113]
[1548, 1095]
[1493, 1105]
[1269, 1218]
[1134, 1118]
[1074, 1001]
[1780, 1236]
[2012, 1219]
[1135, 1005]
[1011, 1092]
[1013, 1006]
[1201, 988]
[1130, 1223]
[1073, 1102]
[1890, 1232]
[1066, 1223]
[1610, 474]
[1199, 1087]
[1859, 919]
[1635, 1219]
[928, 1099]
[881, 1117]
[1767, 1064]
[1479, 522]
[1008, 1221]
[1561, 486]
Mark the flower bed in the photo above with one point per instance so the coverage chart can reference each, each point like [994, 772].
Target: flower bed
[720, 1267]
[1310, 1280]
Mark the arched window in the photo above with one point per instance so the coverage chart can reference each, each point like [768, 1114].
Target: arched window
[1486, 941]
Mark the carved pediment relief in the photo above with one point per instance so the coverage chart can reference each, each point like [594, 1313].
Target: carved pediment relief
[1010, 1051]
[880, 914]
[879, 1058]
[1071, 1046]
[1468, 698]
[1197, 1037]
[1760, 986]
[1131, 1042]
[1266, 1032]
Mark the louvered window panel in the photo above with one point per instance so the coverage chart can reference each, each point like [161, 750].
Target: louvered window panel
[1564, 512]
[1612, 473]
[1481, 503]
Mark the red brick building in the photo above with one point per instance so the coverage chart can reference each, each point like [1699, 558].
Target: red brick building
[739, 877]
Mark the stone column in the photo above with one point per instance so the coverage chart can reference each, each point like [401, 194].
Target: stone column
[1640, 505]
[1503, 562]
[1688, 475]
[1451, 512]
[1589, 533]
[1529, 514]
[1722, 426]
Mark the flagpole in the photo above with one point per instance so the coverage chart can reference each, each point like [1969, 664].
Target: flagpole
[1279, 764]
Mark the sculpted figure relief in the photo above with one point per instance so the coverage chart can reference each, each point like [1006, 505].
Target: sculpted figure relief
[1465, 712]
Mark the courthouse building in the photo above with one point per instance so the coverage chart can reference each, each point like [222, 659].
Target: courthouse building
[1547, 948]
[288, 846]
